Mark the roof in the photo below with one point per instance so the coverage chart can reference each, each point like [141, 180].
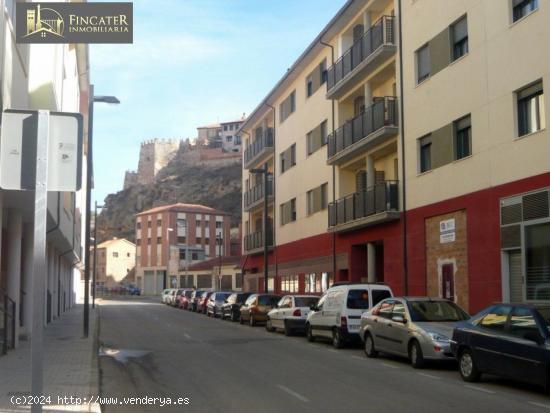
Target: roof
[181, 207]
[234, 260]
[211, 126]
[233, 121]
[111, 242]
[347, 11]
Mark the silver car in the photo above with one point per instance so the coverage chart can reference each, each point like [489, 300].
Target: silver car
[419, 328]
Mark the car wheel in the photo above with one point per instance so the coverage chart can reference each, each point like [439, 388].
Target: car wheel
[370, 350]
[337, 340]
[309, 333]
[269, 326]
[467, 366]
[241, 321]
[415, 355]
[288, 330]
[252, 321]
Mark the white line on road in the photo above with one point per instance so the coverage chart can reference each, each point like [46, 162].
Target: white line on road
[479, 389]
[186, 335]
[545, 406]
[358, 358]
[390, 366]
[332, 350]
[429, 376]
[293, 393]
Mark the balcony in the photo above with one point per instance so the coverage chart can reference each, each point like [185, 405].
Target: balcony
[367, 53]
[254, 243]
[375, 205]
[259, 149]
[375, 125]
[254, 197]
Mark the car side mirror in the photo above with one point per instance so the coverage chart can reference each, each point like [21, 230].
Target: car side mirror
[399, 319]
[534, 336]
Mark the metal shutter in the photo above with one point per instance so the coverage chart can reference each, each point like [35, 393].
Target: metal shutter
[516, 276]
[510, 236]
[535, 206]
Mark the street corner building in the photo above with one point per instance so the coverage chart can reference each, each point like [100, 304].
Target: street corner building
[407, 145]
[51, 77]
[171, 238]
[116, 261]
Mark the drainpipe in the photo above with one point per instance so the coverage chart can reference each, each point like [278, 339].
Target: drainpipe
[273, 226]
[333, 166]
[402, 131]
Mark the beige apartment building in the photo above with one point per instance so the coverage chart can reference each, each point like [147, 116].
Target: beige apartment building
[187, 234]
[116, 261]
[407, 149]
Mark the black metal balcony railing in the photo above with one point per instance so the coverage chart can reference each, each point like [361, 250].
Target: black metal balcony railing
[256, 240]
[256, 194]
[382, 113]
[382, 197]
[379, 34]
[260, 144]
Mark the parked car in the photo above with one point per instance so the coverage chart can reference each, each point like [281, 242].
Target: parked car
[419, 328]
[171, 299]
[176, 301]
[290, 314]
[511, 340]
[194, 300]
[256, 307]
[165, 294]
[232, 306]
[215, 302]
[203, 301]
[185, 299]
[337, 315]
[133, 290]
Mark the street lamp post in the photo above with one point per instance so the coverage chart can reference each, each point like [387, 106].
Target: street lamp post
[89, 175]
[264, 171]
[168, 231]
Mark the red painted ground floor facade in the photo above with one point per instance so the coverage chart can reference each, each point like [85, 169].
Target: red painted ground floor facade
[486, 246]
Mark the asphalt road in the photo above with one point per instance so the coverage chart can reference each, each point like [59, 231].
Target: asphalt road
[154, 350]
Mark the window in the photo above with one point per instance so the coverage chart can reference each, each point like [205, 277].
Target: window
[537, 259]
[159, 240]
[148, 224]
[238, 280]
[182, 254]
[181, 240]
[463, 137]
[159, 222]
[198, 240]
[219, 224]
[198, 223]
[138, 225]
[289, 283]
[207, 240]
[288, 158]
[115, 254]
[288, 211]
[522, 322]
[316, 138]
[423, 63]
[182, 223]
[148, 241]
[229, 138]
[530, 104]
[358, 299]
[287, 106]
[194, 256]
[459, 33]
[138, 242]
[521, 8]
[309, 86]
[128, 254]
[425, 145]
[385, 310]
[495, 319]
[324, 135]
[237, 140]
[324, 71]
[317, 199]
[379, 295]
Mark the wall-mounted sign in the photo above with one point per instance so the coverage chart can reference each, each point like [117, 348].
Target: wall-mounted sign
[447, 231]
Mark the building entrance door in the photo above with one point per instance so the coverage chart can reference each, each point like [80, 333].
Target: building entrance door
[448, 282]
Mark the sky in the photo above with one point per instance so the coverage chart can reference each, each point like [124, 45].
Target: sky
[193, 62]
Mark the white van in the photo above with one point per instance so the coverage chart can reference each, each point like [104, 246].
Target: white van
[337, 315]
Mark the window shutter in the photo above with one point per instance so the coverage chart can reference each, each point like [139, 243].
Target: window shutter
[380, 177]
[361, 181]
[460, 30]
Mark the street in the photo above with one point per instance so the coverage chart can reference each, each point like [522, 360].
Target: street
[219, 365]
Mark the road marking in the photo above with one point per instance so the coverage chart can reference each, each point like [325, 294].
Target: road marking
[293, 393]
[545, 406]
[332, 350]
[390, 366]
[479, 389]
[429, 376]
[186, 335]
[358, 358]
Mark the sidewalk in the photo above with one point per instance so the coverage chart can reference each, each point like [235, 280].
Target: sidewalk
[70, 365]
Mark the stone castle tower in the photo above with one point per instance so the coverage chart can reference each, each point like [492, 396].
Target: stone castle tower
[154, 155]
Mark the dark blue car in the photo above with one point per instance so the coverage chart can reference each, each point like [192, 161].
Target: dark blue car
[511, 340]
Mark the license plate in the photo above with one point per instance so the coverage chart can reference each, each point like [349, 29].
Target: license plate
[353, 327]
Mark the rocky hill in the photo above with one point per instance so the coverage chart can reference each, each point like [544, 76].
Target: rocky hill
[216, 186]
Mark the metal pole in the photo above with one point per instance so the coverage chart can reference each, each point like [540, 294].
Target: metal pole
[186, 251]
[266, 248]
[94, 280]
[167, 257]
[89, 165]
[39, 256]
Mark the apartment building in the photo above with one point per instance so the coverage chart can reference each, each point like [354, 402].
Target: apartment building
[171, 238]
[231, 142]
[220, 273]
[434, 147]
[53, 77]
[116, 261]
[209, 135]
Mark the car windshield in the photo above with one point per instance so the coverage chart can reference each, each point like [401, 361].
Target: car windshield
[358, 299]
[436, 311]
[305, 301]
[242, 297]
[268, 300]
[545, 313]
[222, 296]
[188, 294]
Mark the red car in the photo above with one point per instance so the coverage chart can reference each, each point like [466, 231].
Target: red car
[184, 299]
[203, 301]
